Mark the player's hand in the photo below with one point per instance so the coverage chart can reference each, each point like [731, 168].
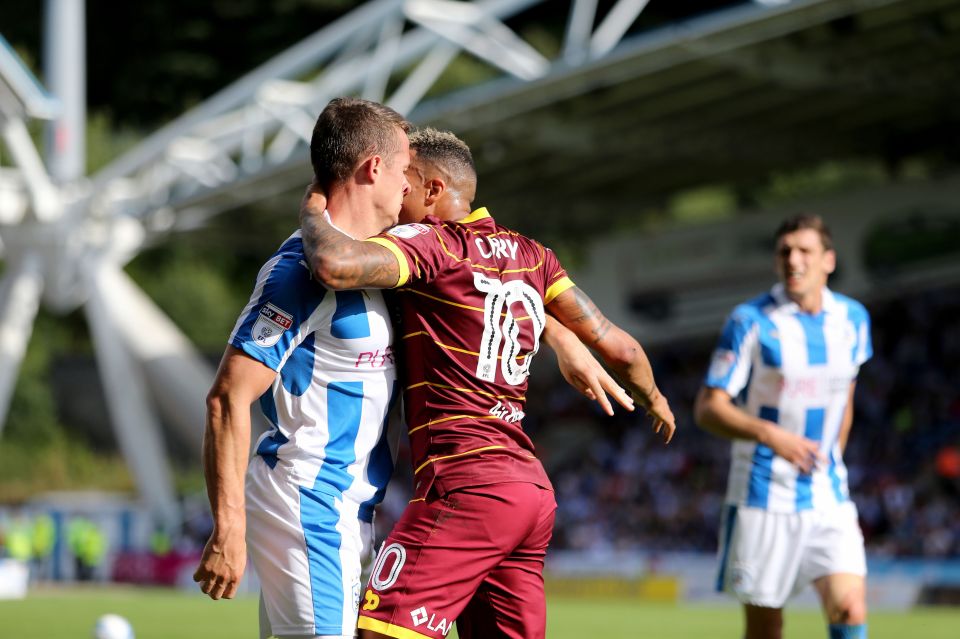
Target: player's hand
[664, 422]
[582, 371]
[314, 200]
[801, 452]
[222, 566]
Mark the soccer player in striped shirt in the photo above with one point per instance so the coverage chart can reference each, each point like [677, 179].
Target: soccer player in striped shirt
[474, 299]
[781, 385]
[321, 365]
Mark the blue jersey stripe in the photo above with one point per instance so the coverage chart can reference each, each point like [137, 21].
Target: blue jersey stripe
[816, 341]
[297, 371]
[269, 445]
[268, 406]
[350, 319]
[857, 315]
[729, 519]
[835, 482]
[758, 490]
[319, 518]
[769, 337]
[381, 461]
[813, 429]
[344, 407]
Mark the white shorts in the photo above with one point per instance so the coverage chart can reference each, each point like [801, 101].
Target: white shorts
[308, 549]
[767, 557]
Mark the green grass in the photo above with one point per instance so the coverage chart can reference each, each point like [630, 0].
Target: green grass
[57, 613]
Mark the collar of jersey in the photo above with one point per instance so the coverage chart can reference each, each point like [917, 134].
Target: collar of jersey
[780, 295]
[479, 214]
[326, 215]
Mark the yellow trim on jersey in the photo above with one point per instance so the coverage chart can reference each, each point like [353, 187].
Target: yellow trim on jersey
[447, 419]
[479, 214]
[465, 390]
[442, 345]
[463, 350]
[397, 253]
[561, 285]
[466, 452]
[417, 499]
[457, 304]
[384, 628]
[438, 299]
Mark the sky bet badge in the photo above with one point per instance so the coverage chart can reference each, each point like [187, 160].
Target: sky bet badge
[270, 325]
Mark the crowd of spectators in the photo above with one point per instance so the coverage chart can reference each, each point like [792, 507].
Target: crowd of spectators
[618, 488]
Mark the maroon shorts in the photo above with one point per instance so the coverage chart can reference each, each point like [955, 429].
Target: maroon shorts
[474, 555]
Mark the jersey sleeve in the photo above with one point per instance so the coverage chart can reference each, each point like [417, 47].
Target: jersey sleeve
[863, 348]
[732, 358]
[422, 250]
[285, 298]
[557, 280]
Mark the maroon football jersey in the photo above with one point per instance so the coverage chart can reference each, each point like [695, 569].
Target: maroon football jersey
[472, 308]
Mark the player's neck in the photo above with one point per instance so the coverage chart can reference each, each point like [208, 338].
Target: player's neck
[351, 211]
[811, 302]
[452, 210]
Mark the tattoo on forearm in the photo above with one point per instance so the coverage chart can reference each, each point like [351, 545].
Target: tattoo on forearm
[378, 269]
[360, 264]
[590, 313]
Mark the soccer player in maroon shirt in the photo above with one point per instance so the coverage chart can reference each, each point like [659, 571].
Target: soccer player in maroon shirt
[474, 298]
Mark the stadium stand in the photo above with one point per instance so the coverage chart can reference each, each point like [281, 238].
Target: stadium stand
[903, 452]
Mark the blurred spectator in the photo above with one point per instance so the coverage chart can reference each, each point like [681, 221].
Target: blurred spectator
[43, 536]
[88, 545]
[18, 539]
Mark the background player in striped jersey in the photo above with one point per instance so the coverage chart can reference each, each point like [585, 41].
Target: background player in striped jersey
[322, 365]
[471, 544]
[781, 387]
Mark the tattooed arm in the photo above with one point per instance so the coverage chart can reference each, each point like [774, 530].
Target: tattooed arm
[619, 350]
[337, 260]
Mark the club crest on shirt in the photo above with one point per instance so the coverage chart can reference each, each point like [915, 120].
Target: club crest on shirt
[270, 325]
[407, 231]
[721, 363]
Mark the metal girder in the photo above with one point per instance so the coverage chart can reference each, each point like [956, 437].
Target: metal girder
[265, 118]
[20, 292]
[135, 423]
[21, 96]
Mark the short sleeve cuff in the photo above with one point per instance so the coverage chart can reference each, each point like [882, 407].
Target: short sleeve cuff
[561, 285]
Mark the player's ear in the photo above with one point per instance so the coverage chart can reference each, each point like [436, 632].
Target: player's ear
[370, 169]
[830, 261]
[434, 189]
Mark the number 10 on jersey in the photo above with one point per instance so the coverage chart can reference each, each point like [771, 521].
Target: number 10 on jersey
[501, 329]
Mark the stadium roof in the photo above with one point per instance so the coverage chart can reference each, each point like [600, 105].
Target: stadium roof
[724, 98]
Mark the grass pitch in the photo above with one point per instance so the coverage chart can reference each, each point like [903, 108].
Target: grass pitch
[58, 613]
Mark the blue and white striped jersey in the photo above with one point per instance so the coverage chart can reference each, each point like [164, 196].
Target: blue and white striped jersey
[794, 369]
[336, 383]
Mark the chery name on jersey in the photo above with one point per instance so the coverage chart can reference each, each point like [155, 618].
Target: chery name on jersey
[795, 369]
[337, 346]
[472, 311]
